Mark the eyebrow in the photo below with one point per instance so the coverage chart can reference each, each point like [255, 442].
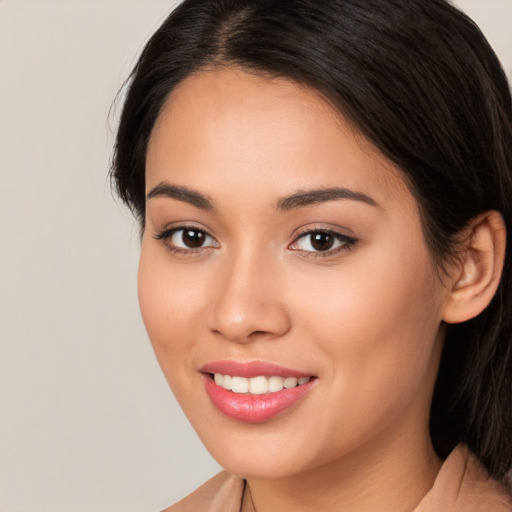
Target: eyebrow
[181, 194]
[300, 199]
[305, 198]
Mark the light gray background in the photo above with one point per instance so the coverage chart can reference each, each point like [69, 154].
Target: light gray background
[87, 422]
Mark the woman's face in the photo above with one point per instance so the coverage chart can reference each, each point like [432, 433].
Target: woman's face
[279, 245]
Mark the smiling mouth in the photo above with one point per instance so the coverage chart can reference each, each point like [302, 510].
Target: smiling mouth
[255, 398]
[259, 385]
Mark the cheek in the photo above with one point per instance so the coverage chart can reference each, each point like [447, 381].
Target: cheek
[171, 308]
[375, 334]
[376, 321]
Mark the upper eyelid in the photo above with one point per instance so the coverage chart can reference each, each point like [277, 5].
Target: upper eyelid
[170, 230]
[336, 234]
[335, 230]
[166, 234]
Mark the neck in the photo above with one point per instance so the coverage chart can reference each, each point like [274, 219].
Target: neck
[384, 477]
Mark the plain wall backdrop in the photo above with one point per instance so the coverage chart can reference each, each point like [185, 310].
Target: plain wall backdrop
[87, 422]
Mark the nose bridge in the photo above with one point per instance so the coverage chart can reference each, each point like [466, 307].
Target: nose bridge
[248, 304]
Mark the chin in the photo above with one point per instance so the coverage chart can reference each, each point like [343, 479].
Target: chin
[251, 467]
[262, 453]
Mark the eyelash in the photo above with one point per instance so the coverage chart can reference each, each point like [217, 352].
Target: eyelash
[346, 242]
[166, 235]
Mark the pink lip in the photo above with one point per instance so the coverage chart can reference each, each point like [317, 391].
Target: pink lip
[253, 408]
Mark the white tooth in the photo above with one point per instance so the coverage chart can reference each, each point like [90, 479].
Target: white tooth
[302, 380]
[275, 384]
[219, 379]
[258, 385]
[239, 384]
[227, 382]
[290, 382]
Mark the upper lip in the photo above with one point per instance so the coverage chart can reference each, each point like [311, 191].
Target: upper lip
[251, 369]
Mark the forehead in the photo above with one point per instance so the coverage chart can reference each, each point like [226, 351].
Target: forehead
[227, 125]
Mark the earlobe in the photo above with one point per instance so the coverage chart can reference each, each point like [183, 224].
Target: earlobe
[475, 281]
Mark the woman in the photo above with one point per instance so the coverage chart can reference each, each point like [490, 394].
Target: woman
[324, 190]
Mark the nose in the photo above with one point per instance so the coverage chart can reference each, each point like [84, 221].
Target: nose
[249, 303]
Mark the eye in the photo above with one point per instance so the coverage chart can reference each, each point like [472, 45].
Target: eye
[189, 238]
[322, 241]
[184, 239]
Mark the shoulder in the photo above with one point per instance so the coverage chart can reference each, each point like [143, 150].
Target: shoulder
[478, 487]
[222, 492]
[463, 485]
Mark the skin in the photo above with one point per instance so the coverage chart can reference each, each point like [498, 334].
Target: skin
[366, 320]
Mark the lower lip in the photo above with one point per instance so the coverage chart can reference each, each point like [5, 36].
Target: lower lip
[254, 408]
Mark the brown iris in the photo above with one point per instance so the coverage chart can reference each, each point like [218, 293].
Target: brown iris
[193, 238]
[322, 241]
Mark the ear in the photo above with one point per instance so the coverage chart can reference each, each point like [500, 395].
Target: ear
[476, 278]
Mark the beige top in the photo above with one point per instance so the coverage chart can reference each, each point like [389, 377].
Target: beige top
[462, 485]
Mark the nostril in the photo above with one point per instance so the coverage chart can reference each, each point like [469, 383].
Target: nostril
[244, 321]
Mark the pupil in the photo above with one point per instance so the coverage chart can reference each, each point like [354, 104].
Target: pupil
[322, 241]
[192, 238]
